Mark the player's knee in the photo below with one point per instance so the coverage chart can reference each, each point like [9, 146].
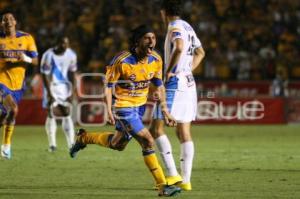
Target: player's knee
[149, 143]
[156, 131]
[2, 118]
[2, 115]
[13, 112]
[65, 112]
[118, 147]
[184, 136]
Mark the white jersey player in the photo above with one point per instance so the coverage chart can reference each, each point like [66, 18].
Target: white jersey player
[180, 77]
[183, 53]
[56, 65]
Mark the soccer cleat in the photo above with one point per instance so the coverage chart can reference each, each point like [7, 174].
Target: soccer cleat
[78, 144]
[185, 186]
[168, 191]
[174, 180]
[171, 180]
[52, 149]
[6, 151]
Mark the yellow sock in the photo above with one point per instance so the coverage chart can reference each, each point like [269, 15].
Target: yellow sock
[155, 168]
[7, 133]
[96, 138]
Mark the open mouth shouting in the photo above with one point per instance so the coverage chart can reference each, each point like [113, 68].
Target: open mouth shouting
[150, 49]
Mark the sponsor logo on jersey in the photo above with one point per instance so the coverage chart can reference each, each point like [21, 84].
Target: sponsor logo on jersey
[132, 77]
[151, 75]
[2, 46]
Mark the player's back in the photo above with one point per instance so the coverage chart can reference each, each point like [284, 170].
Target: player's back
[180, 29]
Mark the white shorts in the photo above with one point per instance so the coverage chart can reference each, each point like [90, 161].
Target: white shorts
[60, 92]
[181, 104]
[184, 106]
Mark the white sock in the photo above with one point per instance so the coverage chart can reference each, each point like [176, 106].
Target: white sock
[51, 127]
[165, 149]
[68, 127]
[186, 160]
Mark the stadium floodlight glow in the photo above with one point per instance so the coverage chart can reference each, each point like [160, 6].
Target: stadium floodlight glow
[93, 103]
[79, 84]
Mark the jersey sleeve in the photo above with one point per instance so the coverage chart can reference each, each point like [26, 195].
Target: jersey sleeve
[73, 63]
[31, 48]
[197, 42]
[113, 72]
[175, 31]
[46, 67]
[157, 77]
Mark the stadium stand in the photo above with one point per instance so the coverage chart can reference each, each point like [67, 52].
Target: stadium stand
[244, 39]
[246, 42]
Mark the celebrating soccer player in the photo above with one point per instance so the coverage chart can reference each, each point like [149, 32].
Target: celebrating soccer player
[17, 50]
[183, 53]
[128, 77]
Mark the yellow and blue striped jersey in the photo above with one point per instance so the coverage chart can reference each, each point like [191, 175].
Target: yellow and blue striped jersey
[10, 48]
[131, 78]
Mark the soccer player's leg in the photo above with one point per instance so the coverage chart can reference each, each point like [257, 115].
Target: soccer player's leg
[2, 115]
[68, 128]
[2, 112]
[187, 154]
[67, 123]
[84, 138]
[11, 108]
[185, 113]
[147, 143]
[163, 144]
[50, 127]
[142, 135]
[117, 141]
[50, 124]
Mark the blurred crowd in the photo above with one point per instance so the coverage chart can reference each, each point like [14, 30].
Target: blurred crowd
[243, 39]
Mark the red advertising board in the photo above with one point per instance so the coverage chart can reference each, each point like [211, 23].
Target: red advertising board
[210, 111]
[293, 110]
[31, 112]
[241, 111]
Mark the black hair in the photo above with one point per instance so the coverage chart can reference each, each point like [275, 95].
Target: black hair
[172, 7]
[59, 38]
[6, 11]
[137, 33]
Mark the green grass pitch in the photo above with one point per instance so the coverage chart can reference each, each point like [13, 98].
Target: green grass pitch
[261, 162]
